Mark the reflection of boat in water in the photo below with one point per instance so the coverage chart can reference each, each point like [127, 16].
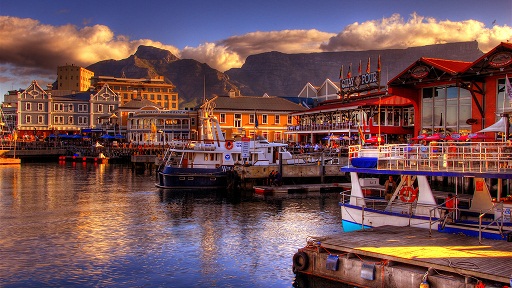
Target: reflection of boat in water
[209, 161]
[414, 203]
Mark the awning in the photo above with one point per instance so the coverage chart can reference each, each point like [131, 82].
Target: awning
[499, 126]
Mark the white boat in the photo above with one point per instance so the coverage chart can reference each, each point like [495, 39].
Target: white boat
[209, 162]
[415, 204]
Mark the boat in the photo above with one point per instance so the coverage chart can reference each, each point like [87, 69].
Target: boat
[415, 203]
[209, 161]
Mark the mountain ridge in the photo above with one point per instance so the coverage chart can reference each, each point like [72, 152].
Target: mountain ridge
[274, 73]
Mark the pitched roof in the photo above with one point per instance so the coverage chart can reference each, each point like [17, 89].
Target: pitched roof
[450, 66]
[392, 100]
[249, 103]
[140, 103]
[81, 96]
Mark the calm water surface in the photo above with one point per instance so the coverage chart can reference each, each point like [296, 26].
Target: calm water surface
[104, 226]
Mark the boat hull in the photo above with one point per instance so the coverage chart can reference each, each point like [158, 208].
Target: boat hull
[351, 218]
[191, 178]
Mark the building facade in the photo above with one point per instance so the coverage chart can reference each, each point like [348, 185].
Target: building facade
[73, 78]
[267, 116]
[155, 90]
[40, 114]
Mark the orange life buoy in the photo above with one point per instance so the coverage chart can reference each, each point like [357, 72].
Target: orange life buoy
[229, 145]
[408, 194]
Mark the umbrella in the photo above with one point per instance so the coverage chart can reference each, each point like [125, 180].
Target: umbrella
[478, 136]
[455, 137]
[374, 140]
[106, 136]
[52, 136]
[119, 136]
[435, 137]
[420, 137]
[76, 136]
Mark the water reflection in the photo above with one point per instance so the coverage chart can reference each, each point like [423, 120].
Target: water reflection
[72, 224]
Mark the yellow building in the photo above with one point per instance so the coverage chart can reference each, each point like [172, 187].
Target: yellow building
[154, 90]
[73, 78]
[267, 116]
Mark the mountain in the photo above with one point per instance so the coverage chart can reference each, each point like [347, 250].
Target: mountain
[274, 73]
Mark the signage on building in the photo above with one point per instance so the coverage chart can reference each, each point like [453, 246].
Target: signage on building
[246, 143]
[420, 72]
[359, 80]
[501, 59]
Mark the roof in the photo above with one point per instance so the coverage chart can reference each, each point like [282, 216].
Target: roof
[393, 100]
[139, 103]
[429, 69]
[81, 96]
[268, 103]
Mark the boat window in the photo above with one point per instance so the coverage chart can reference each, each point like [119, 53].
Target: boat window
[182, 178]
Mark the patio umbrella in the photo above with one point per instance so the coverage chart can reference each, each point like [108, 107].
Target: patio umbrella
[106, 136]
[119, 136]
[419, 137]
[478, 136]
[454, 137]
[373, 140]
[435, 137]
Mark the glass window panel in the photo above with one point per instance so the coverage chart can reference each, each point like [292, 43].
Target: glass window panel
[451, 116]
[452, 92]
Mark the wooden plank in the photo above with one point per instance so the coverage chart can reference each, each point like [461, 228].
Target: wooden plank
[490, 260]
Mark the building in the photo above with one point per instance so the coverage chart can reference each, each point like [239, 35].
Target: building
[453, 97]
[268, 116]
[39, 113]
[155, 90]
[73, 78]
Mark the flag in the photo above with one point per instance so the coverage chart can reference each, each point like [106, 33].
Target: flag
[255, 120]
[359, 70]
[341, 72]
[349, 73]
[368, 66]
[508, 88]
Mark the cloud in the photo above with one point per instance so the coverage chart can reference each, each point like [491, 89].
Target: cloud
[26, 43]
[395, 33]
[30, 50]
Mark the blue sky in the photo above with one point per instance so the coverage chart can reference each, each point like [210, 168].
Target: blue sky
[36, 36]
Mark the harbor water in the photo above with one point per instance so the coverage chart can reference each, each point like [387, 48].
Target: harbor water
[96, 225]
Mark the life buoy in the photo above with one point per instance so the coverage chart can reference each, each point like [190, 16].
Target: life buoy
[408, 194]
[229, 145]
[300, 261]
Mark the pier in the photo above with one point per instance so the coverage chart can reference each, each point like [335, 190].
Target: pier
[403, 257]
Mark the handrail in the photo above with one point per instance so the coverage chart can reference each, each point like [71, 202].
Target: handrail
[482, 214]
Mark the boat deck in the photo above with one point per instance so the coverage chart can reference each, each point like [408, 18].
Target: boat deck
[445, 253]
[304, 188]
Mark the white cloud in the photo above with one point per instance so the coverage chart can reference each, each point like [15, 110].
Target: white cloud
[395, 32]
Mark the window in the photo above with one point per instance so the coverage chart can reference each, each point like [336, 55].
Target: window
[58, 107]
[40, 119]
[192, 121]
[70, 120]
[222, 117]
[277, 119]
[28, 119]
[238, 120]
[277, 136]
[251, 118]
[100, 108]
[264, 119]
[28, 106]
[290, 120]
[58, 120]
[82, 108]
[70, 108]
[111, 108]
[82, 120]
[40, 107]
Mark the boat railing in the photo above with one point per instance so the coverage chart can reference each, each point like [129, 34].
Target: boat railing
[403, 208]
[441, 156]
[497, 220]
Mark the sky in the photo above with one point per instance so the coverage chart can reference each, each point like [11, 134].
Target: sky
[37, 36]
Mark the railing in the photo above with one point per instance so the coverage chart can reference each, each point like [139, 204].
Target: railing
[460, 157]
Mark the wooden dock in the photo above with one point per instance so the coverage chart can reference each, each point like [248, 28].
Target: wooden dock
[297, 189]
[10, 161]
[393, 256]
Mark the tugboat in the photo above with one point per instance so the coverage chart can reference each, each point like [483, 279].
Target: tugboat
[209, 161]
